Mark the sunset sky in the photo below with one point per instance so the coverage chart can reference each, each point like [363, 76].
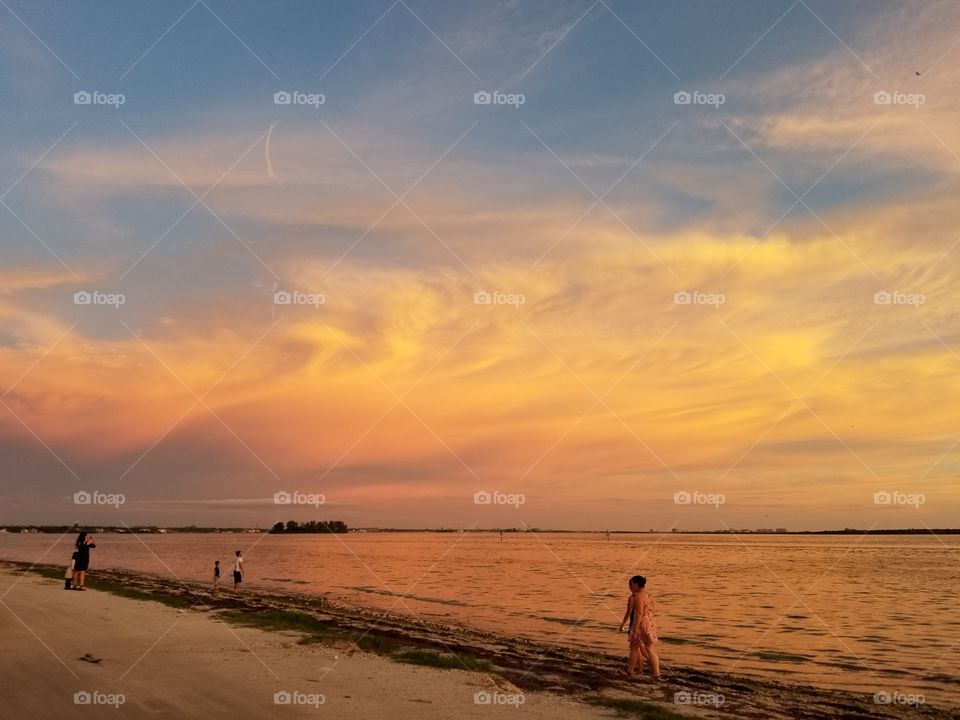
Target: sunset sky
[797, 394]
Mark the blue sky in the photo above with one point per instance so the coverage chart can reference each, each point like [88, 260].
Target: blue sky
[796, 196]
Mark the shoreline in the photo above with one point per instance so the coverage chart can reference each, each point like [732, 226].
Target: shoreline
[15, 529]
[586, 677]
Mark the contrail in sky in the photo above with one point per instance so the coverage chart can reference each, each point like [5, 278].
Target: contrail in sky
[266, 147]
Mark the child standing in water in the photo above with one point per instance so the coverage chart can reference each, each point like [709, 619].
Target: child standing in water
[237, 571]
[216, 574]
[642, 630]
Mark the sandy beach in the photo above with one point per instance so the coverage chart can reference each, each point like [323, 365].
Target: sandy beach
[176, 663]
[190, 654]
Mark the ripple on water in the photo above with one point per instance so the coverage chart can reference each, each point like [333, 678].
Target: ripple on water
[564, 621]
[723, 649]
[953, 680]
[779, 656]
[849, 667]
[408, 596]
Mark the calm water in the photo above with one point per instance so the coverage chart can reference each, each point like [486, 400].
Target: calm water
[868, 615]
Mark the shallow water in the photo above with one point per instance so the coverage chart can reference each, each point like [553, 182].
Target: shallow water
[874, 614]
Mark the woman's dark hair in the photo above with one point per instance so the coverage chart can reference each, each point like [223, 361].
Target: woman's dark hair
[638, 580]
[238, 553]
[81, 538]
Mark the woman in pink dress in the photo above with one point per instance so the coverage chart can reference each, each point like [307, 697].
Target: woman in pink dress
[642, 630]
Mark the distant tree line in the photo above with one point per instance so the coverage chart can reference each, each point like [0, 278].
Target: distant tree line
[313, 526]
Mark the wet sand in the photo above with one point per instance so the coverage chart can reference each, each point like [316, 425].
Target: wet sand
[195, 660]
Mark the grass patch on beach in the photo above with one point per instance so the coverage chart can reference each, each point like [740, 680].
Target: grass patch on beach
[293, 620]
[114, 587]
[430, 658]
[377, 644]
[313, 630]
[118, 588]
[628, 707]
[49, 572]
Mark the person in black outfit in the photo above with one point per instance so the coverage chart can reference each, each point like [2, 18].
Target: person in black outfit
[84, 546]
